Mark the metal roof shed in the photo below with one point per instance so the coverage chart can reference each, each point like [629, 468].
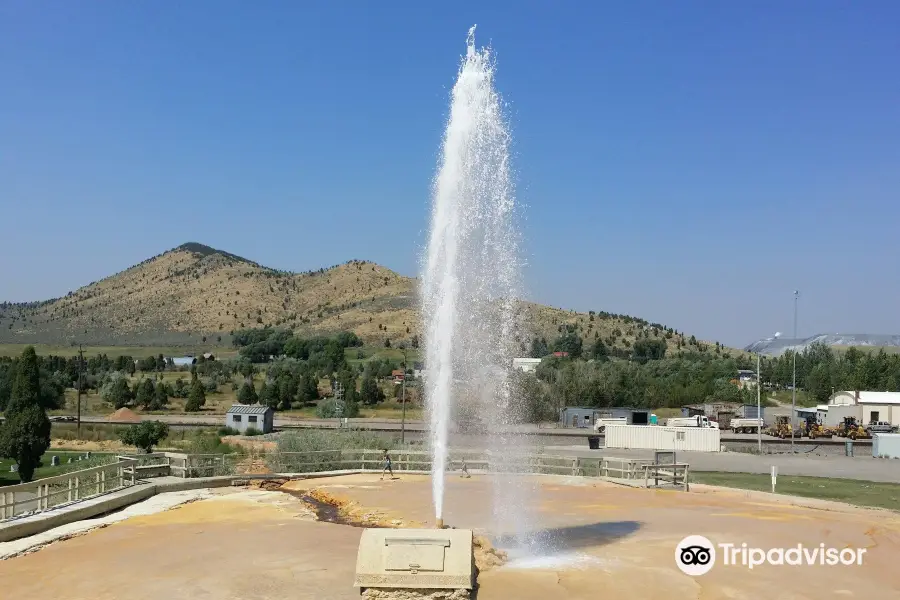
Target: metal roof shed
[245, 416]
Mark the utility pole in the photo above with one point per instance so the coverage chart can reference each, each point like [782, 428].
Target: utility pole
[758, 404]
[338, 392]
[403, 400]
[80, 388]
[794, 386]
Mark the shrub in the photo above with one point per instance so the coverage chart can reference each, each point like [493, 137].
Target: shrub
[252, 431]
[145, 435]
[209, 443]
[228, 431]
[331, 408]
[326, 444]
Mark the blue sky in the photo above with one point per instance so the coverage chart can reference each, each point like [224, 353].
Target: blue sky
[691, 163]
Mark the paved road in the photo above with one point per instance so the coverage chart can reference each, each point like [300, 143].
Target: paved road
[418, 426]
[861, 466]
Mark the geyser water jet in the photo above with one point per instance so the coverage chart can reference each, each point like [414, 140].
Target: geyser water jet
[471, 274]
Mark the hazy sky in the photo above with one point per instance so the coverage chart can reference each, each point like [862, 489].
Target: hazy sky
[691, 163]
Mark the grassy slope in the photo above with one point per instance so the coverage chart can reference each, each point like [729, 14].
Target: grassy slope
[851, 491]
[9, 478]
[114, 351]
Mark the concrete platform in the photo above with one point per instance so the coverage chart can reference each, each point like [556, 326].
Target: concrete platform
[596, 540]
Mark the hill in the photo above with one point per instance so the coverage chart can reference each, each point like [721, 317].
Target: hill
[195, 292]
[777, 346]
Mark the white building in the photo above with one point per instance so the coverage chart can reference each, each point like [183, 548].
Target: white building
[864, 406]
[526, 365]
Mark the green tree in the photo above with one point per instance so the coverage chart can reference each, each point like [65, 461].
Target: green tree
[247, 395]
[160, 396]
[646, 349]
[25, 435]
[116, 391]
[599, 351]
[145, 435]
[286, 390]
[309, 389]
[181, 389]
[145, 392]
[196, 397]
[539, 348]
[568, 342]
[268, 395]
[370, 393]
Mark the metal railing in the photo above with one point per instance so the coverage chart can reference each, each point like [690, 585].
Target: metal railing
[50, 492]
[471, 460]
[674, 473]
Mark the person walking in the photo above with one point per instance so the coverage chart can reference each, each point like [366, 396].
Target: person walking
[386, 468]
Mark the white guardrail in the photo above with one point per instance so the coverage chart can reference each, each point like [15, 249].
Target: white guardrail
[51, 492]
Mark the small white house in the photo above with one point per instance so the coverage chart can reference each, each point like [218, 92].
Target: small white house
[245, 416]
[526, 365]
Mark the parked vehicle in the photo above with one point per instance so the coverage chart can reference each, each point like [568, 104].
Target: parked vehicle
[695, 421]
[880, 427]
[602, 422]
[746, 425]
[783, 428]
[851, 429]
[814, 429]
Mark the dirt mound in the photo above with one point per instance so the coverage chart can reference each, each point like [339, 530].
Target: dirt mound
[124, 415]
[486, 556]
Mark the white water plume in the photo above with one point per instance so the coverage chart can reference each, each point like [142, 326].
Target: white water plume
[471, 273]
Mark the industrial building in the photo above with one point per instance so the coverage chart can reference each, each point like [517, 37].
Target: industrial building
[586, 416]
[721, 412]
[244, 416]
[864, 406]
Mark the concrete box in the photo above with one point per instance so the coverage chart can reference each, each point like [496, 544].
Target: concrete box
[886, 445]
[415, 558]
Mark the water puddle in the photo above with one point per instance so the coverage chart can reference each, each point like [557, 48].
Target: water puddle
[326, 512]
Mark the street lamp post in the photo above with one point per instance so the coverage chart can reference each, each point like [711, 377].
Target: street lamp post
[794, 383]
[759, 398]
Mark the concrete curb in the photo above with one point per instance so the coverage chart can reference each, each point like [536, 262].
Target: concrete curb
[93, 507]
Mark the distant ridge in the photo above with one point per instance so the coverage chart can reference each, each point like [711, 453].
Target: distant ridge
[204, 250]
[196, 293]
[776, 346]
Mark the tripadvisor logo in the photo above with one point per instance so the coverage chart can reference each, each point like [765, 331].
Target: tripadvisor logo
[695, 555]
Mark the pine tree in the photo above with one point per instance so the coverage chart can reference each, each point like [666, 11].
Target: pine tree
[370, 393]
[247, 395]
[160, 397]
[26, 434]
[268, 395]
[196, 397]
[145, 392]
